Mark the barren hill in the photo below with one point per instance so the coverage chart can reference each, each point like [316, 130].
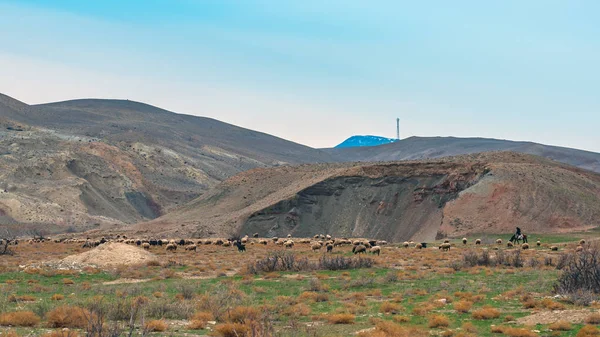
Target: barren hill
[87, 163]
[415, 148]
[492, 192]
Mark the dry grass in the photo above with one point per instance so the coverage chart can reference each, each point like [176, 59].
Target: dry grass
[389, 307]
[389, 329]
[340, 318]
[19, 318]
[57, 297]
[438, 321]
[519, 332]
[68, 317]
[561, 326]
[463, 306]
[588, 331]
[232, 330]
[486, 313]
[243, 314]
[157, 325]
[593, 319]
[61, 333]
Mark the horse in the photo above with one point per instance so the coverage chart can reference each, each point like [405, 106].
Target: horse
[517, 239]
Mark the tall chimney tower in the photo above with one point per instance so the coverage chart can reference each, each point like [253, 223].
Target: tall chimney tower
[398, 128]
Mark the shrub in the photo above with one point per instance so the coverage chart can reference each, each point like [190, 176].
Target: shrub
[68, 317]
[486, 313]
[588, 331]
[497, 329]
[438, 321]
[593, 319]
[232, 330]
[463, 306]
[469, 327]
[156, 325]
[19, 318]
[340, 318]
[552, 305]
[242, 314]
[581, 273]
[401, 319]
[519, 332]
[561, 326]
[57, 297]
[389, 307]
[68, 281]
[389, 329]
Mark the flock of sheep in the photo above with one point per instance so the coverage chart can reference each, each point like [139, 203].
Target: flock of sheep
[317, 243]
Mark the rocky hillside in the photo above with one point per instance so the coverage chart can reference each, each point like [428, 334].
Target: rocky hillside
[415, 148]
[89, 163]
[395, 201]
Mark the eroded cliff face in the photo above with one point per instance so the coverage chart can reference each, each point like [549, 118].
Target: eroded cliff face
[394, 208]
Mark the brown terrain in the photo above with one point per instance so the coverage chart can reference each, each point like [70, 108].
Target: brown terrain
[116, 165]
[396, 201]
[87, 164]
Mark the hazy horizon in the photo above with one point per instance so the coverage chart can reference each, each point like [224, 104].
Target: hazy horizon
[317, 73]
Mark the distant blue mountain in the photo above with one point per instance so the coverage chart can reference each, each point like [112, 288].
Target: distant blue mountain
[356, 141]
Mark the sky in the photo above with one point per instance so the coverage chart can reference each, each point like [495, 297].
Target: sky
[316, 72]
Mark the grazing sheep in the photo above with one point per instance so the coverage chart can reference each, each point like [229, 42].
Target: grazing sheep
[538, 243]
[328, 237]
[316, 236]
[274, 239]
[381, 243]
[525, 246]
[329, 248]
[419, 246]
[289, 236]
[464, 240]
[375, 250]
[445, 246]
[146, 245]
[446, 241]
[554, 248]
[359, 249]
[304, 240]
[227, 244]
[406, 244]
[172, 247]
[321, 236]
[191, 247]
[289, 244]
[478, 241]
[255, 235]
[499, 241]
[581, 242]
[263, 242]
[372, 243]
[245, 240]
[509, 244]
[315, 246]
[579, 249]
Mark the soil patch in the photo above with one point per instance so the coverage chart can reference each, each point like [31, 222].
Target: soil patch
[111, 255]
[548, 317]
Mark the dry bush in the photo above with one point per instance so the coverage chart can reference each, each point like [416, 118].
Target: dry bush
[68, 281]
[486, 313]
[19, 318]
[243, 314]
[497, 329]
[340, 318]
[298, 310]
[22, 298]
[68, 317]
[588, 331]
[463, 306]
[438, 321]
[401, 319]
[157, 325]
[552, 305]
[581, 273]
[389, 307]
[509, 318]
[57, 297]
[561, 326]
[421, 309]
[469, 327]
[518, 332]
[389, 329]
[232, 330]
[593, 319]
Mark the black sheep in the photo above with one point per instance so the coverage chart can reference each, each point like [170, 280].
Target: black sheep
[240, 246]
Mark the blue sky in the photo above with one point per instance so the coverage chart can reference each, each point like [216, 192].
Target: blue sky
[317, 73]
